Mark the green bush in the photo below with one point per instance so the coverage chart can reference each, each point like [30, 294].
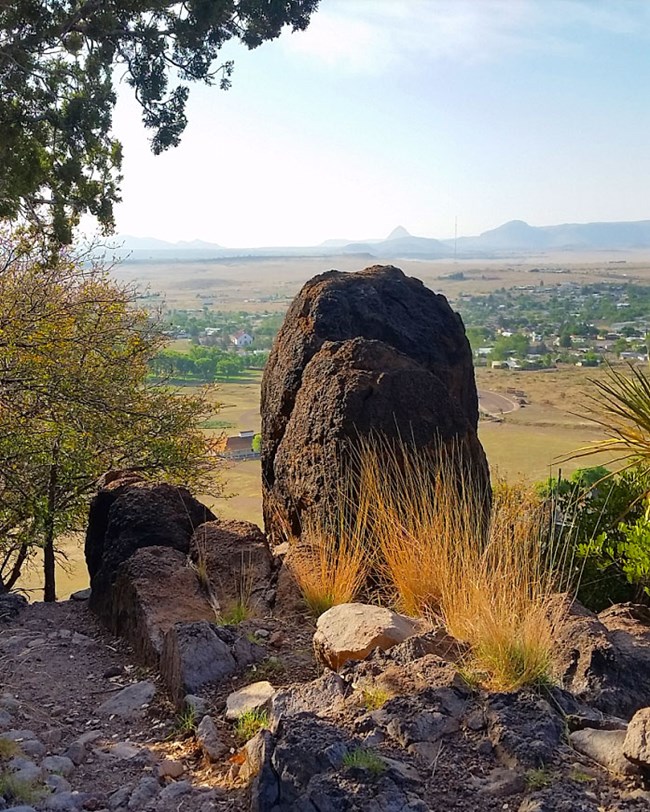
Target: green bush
[604, 519]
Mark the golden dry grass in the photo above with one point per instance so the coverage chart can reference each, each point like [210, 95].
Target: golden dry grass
[330, 561]
[484, 574]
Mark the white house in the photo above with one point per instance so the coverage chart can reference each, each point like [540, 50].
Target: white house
[241, 339]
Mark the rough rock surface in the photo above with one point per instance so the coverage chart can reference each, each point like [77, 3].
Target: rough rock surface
[238, 563]
[254, 697]
[372, 350]
[636, 746]
[127, 516]
[154, 589]
[604, 659]
[423, 741]
[193, 656]
[350, 631]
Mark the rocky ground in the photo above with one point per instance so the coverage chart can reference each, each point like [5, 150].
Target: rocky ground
[399, 731]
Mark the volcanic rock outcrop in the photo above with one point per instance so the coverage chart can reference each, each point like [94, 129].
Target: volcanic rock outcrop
[126, 516]
[369, 352]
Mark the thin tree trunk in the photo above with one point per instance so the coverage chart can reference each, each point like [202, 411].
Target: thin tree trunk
[16, 570]
[49, 588]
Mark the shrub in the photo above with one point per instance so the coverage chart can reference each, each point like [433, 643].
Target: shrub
[602, 517]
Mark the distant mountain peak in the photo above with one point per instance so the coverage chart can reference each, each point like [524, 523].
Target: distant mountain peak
[398, 233]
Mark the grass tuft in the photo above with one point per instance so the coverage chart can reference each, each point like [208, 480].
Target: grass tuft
[236, 613]
[249, 723]
[484, 570]
[363, 759]
[374, 697]
[8, 749]
[18, 792]
[538, 778]
[330, 561]
[186, 722]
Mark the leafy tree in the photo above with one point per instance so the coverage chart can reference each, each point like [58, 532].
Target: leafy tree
[256, 445]
[58, 157]
[74, 354]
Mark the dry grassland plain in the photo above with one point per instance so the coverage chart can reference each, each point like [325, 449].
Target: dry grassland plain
[528, 444]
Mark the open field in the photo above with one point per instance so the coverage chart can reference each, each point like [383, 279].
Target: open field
[269, 284]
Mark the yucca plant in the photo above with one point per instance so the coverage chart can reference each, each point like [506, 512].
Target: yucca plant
[621, 408]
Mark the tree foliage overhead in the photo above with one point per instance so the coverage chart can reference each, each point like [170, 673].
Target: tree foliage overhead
[58, 60]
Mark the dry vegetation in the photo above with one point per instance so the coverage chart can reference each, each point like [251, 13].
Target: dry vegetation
[437, 547]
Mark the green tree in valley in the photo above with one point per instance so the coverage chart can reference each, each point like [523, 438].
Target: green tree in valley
[74, 402]
[58, 156]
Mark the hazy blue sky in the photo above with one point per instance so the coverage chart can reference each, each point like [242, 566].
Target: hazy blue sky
[409, 112]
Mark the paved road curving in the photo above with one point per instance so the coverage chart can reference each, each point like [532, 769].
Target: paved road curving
[494, 403]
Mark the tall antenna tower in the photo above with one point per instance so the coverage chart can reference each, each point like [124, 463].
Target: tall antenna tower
[455, 235]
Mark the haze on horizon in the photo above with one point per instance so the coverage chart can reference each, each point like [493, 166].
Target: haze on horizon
[411, 112]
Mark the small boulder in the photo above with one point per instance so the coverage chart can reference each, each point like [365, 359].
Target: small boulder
[127, 515]
[192, 656]
[605, 747]
[59, 765]
[255, 696]
[351, 631]
[170, 768]
[129, 701]
[636, 746]
[209, 740]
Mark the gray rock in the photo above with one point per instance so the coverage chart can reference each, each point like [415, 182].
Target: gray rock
[425, 726]
[66, 801]
[253, 697]
[25, 770]
[193, 656]
[146, 790]
[60, 765]
[129, 701]
[209, 740]
[502, 782]
[120, 797]
[525, 730]
[8, 702]
[57, 783]
[636, 746]
[175, 790]
[5, 719]
[127, 751]
[351, 631]
[605, 747]
[33, 748]
[322, 697]
[76, 752]
[20, 809]
[82, 640]
[81, 595]
[19, 735]
[198, 704]
[170, 768]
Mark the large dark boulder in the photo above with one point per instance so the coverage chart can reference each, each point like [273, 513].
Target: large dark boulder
[127, 516]
[374, 351]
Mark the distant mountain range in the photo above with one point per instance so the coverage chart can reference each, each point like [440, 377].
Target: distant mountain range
[515, 238]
